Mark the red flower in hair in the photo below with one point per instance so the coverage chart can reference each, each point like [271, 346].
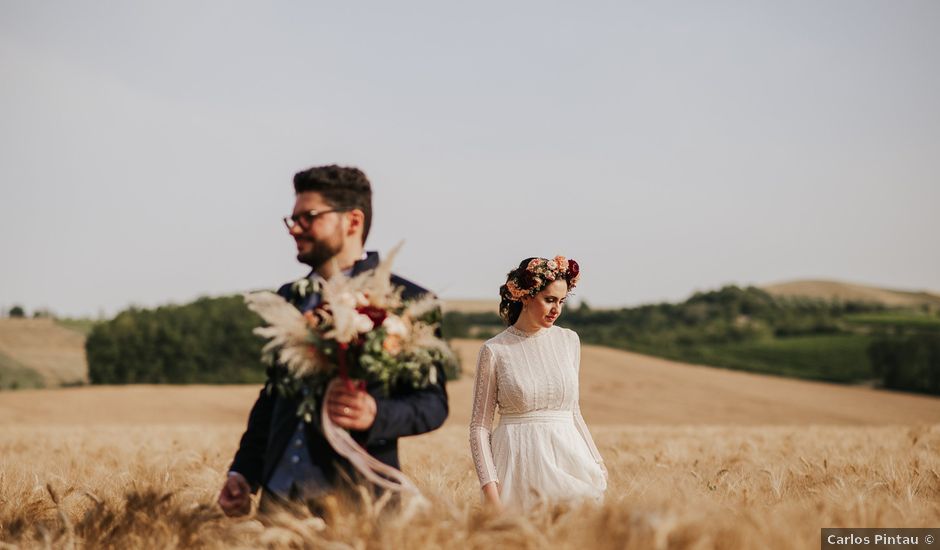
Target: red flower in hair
[573, 271]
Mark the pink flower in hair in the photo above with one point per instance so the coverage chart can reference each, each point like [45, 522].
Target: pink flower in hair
[533, 264]
[561, 262]
[514, 290]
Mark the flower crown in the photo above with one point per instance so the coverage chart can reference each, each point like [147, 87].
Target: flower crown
[540, 273]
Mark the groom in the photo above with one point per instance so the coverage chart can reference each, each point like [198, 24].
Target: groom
[289, 459]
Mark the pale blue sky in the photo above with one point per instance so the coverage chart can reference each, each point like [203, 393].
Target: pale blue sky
[146, 148]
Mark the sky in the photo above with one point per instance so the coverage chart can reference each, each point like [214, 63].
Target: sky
[147, 148]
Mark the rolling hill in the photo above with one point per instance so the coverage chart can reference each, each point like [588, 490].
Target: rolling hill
[618, 388]
[835, 290]
[40, 350]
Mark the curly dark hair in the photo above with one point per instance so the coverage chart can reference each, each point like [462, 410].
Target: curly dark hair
[341, 187]
[510, 307]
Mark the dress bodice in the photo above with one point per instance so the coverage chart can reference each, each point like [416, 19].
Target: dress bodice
[535, 371]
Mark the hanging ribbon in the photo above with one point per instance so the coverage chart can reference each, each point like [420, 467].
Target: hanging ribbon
[374, 470]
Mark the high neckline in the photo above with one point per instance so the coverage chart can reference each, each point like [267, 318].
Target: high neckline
[523, 334]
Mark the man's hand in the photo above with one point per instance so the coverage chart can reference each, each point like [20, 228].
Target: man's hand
[351, 409]
[235, 496]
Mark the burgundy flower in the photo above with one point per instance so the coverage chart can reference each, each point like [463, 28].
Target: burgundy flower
[376, 314]
[573, 269]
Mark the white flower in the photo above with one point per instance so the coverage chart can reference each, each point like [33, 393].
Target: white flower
[302, 287]
[395, 326]
[345, 323]
[343, 300]
[552, 264]
[363, 324]
[286, 332]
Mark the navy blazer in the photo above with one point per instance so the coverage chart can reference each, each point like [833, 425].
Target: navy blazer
[273, 418]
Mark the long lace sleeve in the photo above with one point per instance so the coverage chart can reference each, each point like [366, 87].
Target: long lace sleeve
[481, 420]
[578, 419]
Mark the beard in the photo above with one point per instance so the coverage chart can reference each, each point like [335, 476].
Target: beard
[322, 251]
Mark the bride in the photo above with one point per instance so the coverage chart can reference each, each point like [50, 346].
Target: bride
[542, 449]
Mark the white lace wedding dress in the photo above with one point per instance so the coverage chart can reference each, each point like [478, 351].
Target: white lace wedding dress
[542, 449]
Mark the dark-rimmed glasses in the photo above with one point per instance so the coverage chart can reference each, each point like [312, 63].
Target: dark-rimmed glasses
[305, 219]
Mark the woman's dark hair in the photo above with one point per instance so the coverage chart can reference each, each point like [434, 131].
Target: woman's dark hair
[509, 307]
[342, 187]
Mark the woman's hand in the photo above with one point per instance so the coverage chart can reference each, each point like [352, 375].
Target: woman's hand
[491, 493]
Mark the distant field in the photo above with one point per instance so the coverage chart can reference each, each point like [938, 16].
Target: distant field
[835, 358]
[471, 306]
[896, 319]
[837, 290]
[56, 355]
[618, 388]
[81, 326]
[14, 375]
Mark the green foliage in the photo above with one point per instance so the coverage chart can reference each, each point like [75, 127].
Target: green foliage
[906, 320]
[17, 311]
[741, 328]
[911, 363]
[207, 341]
[830, 357]
[82, 326]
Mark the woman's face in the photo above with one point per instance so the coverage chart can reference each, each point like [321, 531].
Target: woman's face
[544, 308]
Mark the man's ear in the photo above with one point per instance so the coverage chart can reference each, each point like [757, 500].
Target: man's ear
[355, 222]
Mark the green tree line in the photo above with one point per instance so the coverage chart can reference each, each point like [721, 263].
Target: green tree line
[208, 341]
[749, 329]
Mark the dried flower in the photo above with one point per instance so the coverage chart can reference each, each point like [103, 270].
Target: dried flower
[395, 326]
[392, 344]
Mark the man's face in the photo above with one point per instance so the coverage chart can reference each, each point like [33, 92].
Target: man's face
[323, 237]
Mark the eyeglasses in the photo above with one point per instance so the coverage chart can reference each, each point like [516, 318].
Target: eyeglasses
[305, 219]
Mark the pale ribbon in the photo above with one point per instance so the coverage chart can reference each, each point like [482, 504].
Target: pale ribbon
[374, 470]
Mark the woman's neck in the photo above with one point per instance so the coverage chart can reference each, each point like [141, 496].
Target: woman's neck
[526, 326]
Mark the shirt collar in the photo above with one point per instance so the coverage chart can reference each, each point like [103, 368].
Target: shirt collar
[369, 260]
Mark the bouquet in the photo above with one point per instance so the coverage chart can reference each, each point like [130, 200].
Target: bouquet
[361, 329]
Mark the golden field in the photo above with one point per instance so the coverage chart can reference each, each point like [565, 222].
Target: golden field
[698, 458]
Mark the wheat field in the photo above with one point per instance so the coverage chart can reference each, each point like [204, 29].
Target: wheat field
[698, 458]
